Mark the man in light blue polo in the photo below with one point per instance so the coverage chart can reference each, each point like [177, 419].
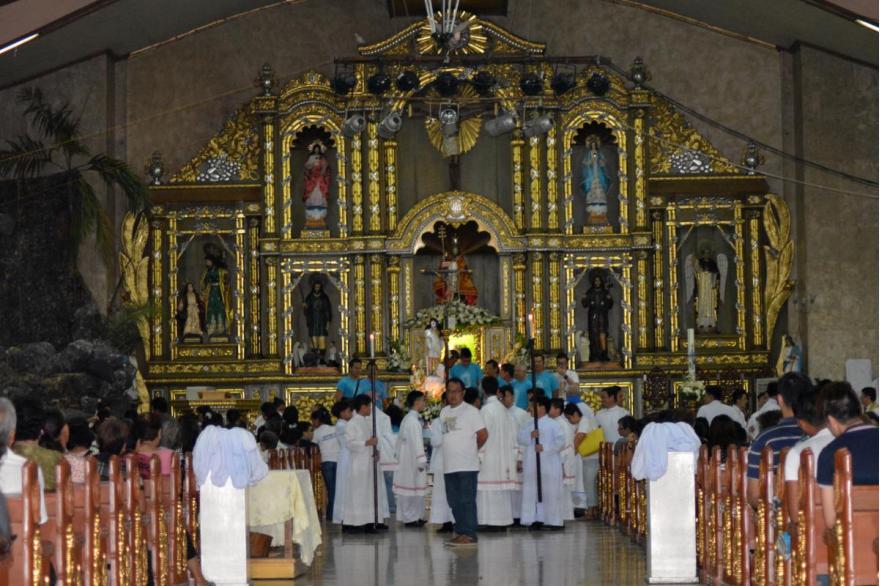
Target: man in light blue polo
[521, 384]
[546, 381]
[466, 371]
[351, 384]
[366, 387]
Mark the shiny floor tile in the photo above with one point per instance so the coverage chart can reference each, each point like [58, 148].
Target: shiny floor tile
[585, 554]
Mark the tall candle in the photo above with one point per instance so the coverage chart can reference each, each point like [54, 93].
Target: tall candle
[372, 345]
[530, 326]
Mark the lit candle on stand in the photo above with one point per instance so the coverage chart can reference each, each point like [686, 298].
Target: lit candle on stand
[372, 345]
[530, 326]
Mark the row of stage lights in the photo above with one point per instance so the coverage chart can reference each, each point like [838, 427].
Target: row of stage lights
[447, 85]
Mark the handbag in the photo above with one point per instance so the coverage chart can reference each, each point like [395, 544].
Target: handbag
[591, 442]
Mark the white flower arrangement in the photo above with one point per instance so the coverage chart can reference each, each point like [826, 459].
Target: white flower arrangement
[464, 316]
[397, 358]
[691, 389]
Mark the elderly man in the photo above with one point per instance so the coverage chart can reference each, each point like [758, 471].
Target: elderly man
[11, 463]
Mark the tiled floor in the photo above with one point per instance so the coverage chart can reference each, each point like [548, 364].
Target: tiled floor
[586, 553]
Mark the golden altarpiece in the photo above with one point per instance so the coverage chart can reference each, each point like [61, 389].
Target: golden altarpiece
[672, 202]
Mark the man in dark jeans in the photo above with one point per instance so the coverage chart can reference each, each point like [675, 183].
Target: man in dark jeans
[464, 433]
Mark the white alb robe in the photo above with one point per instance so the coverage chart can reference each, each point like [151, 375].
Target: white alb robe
[497, 466]
[521, 418]
[343, 465]
[358, 507]
[568, 478]
[440, 511]
[578, 498]
[411, 477]
[549, 510]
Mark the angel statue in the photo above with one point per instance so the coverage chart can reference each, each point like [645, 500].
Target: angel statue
[215, 288]
[705, 280]
[595, 183]
[317, 191]
[790, 357]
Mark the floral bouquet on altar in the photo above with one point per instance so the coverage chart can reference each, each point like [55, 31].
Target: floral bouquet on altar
[432, 411]
[461, 314]
[398, 361]
[691, 390]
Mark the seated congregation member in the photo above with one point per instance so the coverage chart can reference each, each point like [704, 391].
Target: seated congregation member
[29, 428]
[55, 432]
[78, 448]
[11, 463]
[769, 404]
[342, 411]
[869, 400]
[497, 463]
[411, 477]
[324, 435]
[358, 505]
[548, 513]
[807, 411]
[713, 406]
[625, 426]
[268, 441]
[611, 413]
[466, 371]
[784, 435]
[725, 432]
[112, 436]
[148, 434]
[768, 420]
[291, 432]
[842, 411]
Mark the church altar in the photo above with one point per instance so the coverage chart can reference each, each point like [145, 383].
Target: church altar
[310, 227]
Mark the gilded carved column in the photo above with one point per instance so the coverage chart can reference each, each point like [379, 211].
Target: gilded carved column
[342, 185]
[516, 145]
[395, 332]
[552, 187]
[357, 188]
[172, 281]
[158, 290]
[536, 190]
[238, 293]
[674, 309]
[360, 305]
[755, 284]
[254, 285]
[272, 303]
[642, 292]
[377, 298]
[344, 313]
[742, 310]
[373, 192]
[659, 325]
[269, 173]
[519, 288]
[287, 331]
[567, 183]
[554, 302]
[538, 298]
[391, 183]
[641, 170]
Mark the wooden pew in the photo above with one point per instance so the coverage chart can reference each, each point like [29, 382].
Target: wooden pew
[136, 534]
[67, 550]
[765, 537]
[730, 517]
[115, 509]
[192, 500]
[852, 557]
[809, 556]
[702, 474]
[744, 524]
[23, 565]
[88, 525]
[781, 520]
[717, 489]
[174, 506]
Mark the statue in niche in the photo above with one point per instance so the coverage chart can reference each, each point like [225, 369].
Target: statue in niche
[596, 183]
[317, 190]
[705, 280]
[598, 302]
[433, 345]
[790, 357]
[319, 313]
[215, 289]
[454, 280]
[190, 314]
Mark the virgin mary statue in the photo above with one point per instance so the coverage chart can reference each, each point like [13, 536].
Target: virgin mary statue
[595, 183]
[317, 191]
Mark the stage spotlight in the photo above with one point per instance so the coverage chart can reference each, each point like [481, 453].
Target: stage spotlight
[531, 84]
[484, 83]
[538, 126]
[343, 83]
[562, 82]
[598, 84]
[449, 121]
[390, 125]
[446, 84]
[378, 84]
[408, 81]
[502, 124]
[354, 124]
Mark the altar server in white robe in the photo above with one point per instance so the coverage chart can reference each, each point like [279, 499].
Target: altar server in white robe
[520, 417]
[497, 461]
[572, 415]
[342, 412]
[546, 514]
[411, 477]
[567, 456]
[441, 514]
[358, 508]
[387, 455]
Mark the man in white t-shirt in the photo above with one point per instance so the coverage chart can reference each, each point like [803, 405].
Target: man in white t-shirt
[464, 433]
[610, 413]
[11, 464]
[810, 420]
[714, 407]
[754, 428]
[569, 382]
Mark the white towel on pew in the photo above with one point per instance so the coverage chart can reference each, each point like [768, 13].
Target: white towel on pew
[649, 459]
[228, 453]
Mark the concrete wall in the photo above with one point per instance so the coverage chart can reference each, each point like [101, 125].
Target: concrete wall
[175, 97]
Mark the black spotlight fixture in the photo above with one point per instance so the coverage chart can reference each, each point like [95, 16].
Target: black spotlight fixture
[562, 82]
[343, 83]
[408, 81]
[484, 83]
[378, 83]
[531, 84]
[598, 84]
[446, 84]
